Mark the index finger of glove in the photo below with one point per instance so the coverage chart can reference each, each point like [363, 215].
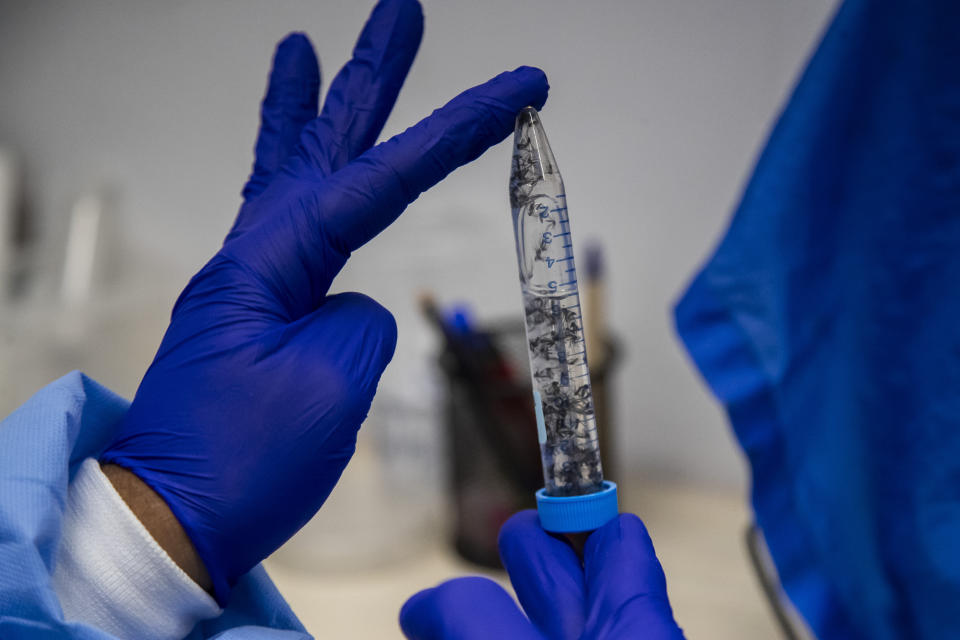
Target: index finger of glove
[363, 198]
[298, 254]
[465, 609]
[546, 574]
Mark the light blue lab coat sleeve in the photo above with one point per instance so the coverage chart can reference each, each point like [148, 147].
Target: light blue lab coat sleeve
[41, 446]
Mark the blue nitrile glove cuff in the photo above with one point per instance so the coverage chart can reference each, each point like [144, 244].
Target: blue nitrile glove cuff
[569, 514]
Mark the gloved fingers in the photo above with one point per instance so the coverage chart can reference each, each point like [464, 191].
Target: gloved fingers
[546, 574]
[364, 91]
[296, 254]
[626, 587]
[465, 609]
[363, 198]
[293, 91]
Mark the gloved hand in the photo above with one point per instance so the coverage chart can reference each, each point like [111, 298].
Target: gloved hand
[249, 412]
[618, 591]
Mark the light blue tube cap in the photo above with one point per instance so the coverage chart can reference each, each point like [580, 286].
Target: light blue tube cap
[569, 514]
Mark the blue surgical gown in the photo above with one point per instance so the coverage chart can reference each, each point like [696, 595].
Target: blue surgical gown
[828, 323]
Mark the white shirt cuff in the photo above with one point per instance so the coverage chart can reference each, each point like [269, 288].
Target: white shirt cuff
[111, 574]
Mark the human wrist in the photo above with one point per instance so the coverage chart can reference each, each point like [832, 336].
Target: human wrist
[159, 521]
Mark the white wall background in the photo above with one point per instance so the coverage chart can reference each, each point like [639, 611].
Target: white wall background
[657, 109]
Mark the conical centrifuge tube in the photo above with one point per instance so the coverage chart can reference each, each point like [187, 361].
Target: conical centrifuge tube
[563, 400]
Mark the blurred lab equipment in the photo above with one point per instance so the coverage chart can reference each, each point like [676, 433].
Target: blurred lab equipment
[827, 323]
[594, 302]
[90, 257]
[11, 199]
[90, 305]
[600, 345]
[764, 569]
[575, 497]
[493, 459]
[386, 508]
[492, 456]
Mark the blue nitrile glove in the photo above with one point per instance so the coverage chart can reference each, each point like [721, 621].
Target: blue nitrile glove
[619, 591]
[249, 412]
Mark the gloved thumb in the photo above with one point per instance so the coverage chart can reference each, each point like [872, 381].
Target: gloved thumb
[352, 334]
[339, 352]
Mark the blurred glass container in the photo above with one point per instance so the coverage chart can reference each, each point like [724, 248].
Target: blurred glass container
[9, 202]
[112, 339]
[386, 506]
[102, 309]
